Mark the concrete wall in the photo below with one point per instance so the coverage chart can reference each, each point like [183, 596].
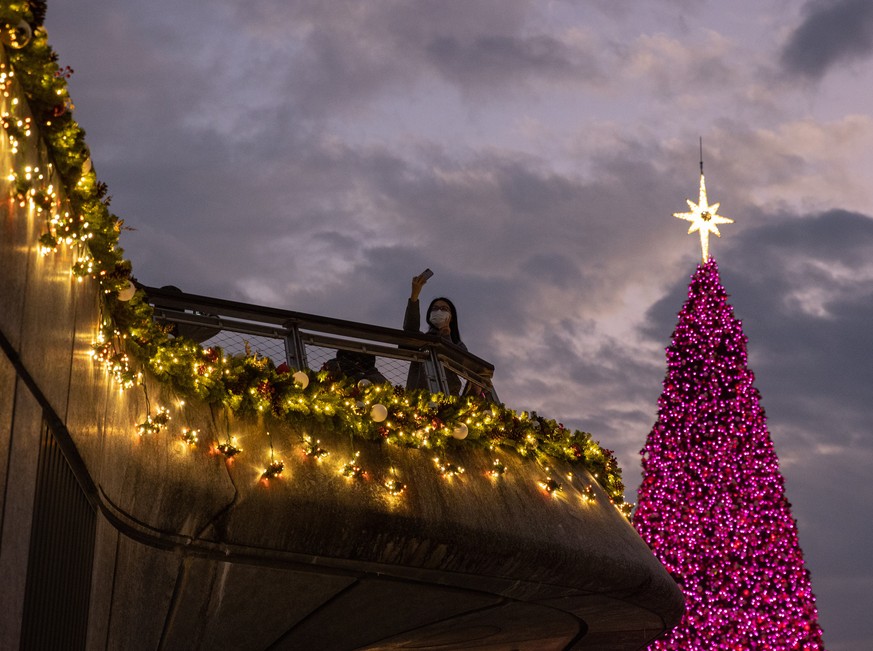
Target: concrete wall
[37, 319]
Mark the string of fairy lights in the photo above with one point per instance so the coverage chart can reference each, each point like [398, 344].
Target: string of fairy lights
[64, 192]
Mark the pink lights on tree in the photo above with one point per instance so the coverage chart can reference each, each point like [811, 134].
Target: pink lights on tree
[712, 503]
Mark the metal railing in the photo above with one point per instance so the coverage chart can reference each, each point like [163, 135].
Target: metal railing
[316, 342]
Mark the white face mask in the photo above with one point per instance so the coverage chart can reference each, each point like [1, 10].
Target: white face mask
[439, 318]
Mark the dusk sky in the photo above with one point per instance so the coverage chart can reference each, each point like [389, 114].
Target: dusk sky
[315, 155]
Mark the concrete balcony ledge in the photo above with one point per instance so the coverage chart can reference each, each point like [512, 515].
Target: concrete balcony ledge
[323, 561]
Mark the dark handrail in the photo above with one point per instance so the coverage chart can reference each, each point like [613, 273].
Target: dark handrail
[212, 315]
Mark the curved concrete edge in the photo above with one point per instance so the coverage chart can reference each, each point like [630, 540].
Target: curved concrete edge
[506, 538]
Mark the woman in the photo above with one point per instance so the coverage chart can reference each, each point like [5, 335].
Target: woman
[442, 320]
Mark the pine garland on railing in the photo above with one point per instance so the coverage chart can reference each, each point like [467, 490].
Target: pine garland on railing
[244, 384]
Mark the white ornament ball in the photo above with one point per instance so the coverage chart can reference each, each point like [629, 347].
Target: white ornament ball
[460, 431]
[364, 383]
[378, 413]
[127, 292]
[301, 378]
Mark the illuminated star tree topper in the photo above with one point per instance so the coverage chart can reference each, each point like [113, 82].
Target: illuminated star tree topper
[703, 216]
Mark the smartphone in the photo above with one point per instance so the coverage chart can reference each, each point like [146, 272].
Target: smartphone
[427, 273]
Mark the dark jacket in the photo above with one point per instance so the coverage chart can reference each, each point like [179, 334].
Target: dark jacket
[417, 378]
[355, 365]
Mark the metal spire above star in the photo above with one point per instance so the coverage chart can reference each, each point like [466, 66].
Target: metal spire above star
[703, 218]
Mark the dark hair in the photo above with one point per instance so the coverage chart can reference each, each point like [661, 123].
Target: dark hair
[453, 324]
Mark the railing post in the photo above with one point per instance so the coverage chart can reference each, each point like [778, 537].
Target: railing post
[295, 351]
[436, 375]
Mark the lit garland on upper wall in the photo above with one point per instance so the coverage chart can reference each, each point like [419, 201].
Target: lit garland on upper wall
[87, 223]
[244, 384]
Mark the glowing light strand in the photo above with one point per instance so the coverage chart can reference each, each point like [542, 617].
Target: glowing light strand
[275, 467]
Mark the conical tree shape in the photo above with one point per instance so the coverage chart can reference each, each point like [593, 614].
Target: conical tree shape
[712, 502]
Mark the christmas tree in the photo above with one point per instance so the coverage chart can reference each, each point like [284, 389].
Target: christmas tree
[712, 503]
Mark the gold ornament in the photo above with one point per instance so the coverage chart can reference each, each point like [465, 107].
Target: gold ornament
[16, 36]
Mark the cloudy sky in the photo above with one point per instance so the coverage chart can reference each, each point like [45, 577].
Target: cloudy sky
[316, 155]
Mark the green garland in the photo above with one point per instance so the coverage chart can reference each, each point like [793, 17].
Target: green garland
[244, 384]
